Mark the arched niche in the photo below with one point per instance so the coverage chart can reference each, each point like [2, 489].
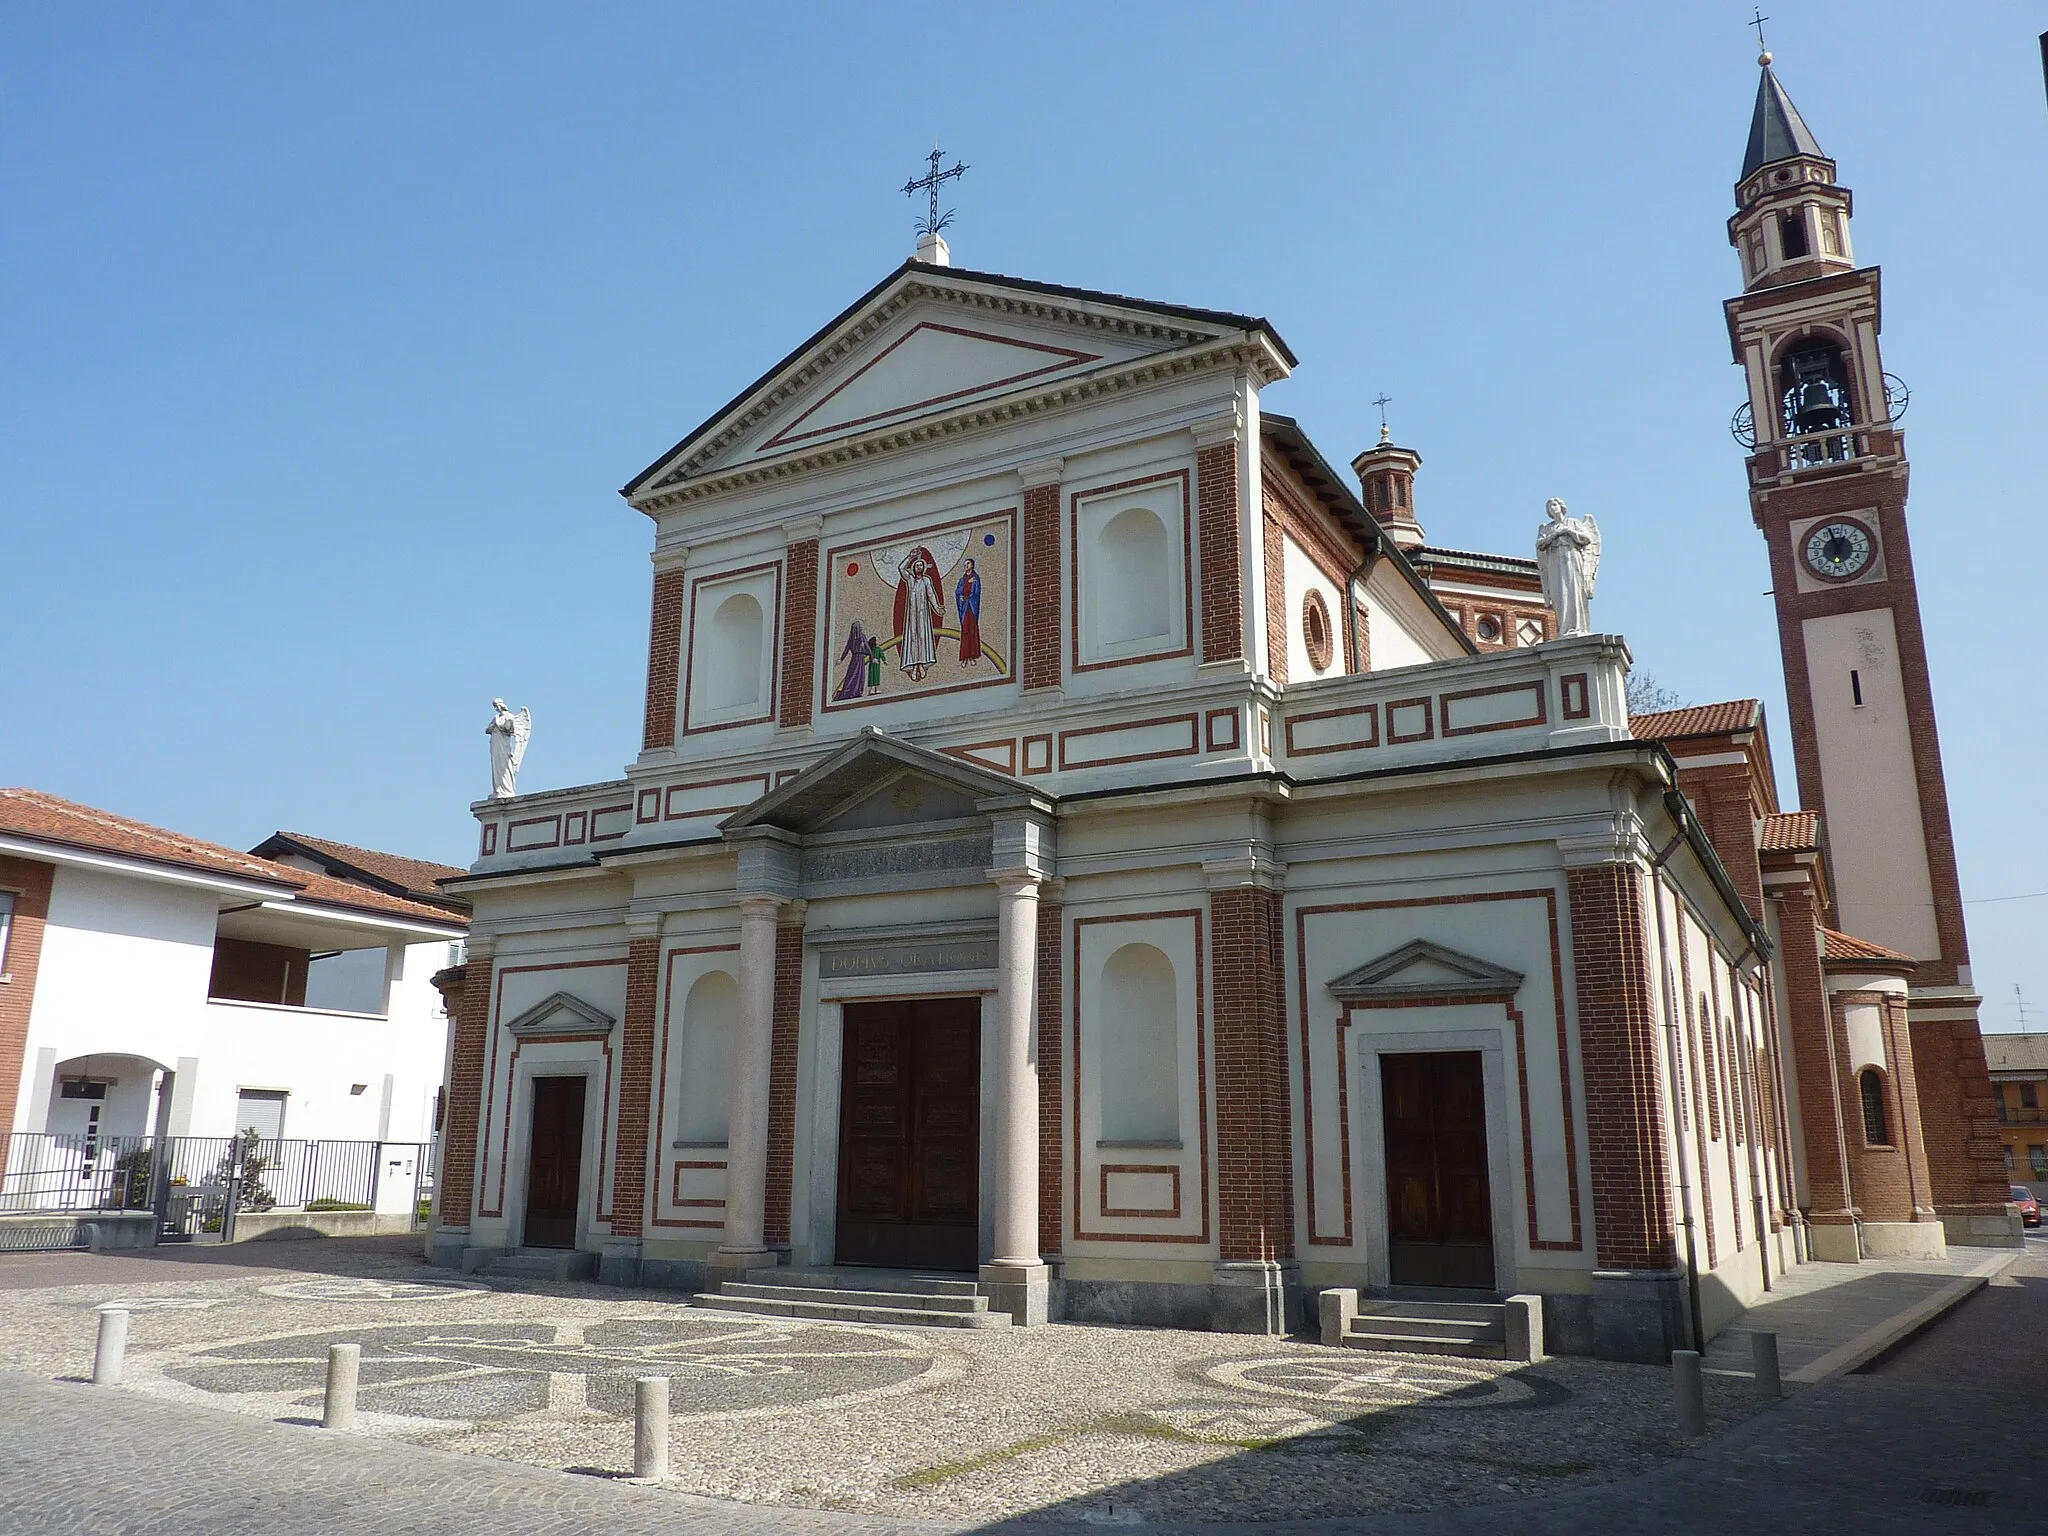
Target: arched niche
[1133, 576]
[703, 1086]
[729, 668]
[1140, 1046]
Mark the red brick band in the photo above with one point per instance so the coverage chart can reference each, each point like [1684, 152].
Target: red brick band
[664, 659]
[789, 986]
[636, 1087]
[1041, 586]
[29, 883]
[1618, 1048]
[1222, 556]
[1254, 1152]
[465, 1092]
[800, 634]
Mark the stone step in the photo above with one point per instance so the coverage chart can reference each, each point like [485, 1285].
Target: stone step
[1424, 1344]
[1468, 1311]
[840, 1312]
[536, 1264]
[840, 1296]
[1456, 1329]
[858, 1279]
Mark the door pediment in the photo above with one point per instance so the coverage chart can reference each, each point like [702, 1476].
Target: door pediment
[875, 783]
[562, 1017]
[1420, 969]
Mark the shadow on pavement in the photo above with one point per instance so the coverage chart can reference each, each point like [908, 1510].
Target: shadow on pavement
[192, 1261]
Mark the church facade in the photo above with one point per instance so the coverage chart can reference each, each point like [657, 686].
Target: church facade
[1083, 841]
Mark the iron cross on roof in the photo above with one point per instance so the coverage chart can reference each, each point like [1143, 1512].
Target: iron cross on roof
[931, 183]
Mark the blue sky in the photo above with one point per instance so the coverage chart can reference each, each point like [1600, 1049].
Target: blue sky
[328, 333]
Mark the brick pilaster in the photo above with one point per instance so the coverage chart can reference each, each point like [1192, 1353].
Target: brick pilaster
[29, 883]
[1041, 586]
[470, 1028]
[1221, 552]
[800, 634]
[636, 1086]
[1823, 1131]
[1254, 1172]
[1632, 1219]
[1277, 615]
[1959, 1118]
[789, 989]
[664, 659]
[1051, 1054]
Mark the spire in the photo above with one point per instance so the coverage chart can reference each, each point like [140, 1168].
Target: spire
[1776, 130]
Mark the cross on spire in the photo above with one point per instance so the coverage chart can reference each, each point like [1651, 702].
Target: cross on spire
[1757, 21]
[1383, 402]
[936, 178]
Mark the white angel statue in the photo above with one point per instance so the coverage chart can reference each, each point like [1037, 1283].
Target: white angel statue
[508, 733]
[1568, 551]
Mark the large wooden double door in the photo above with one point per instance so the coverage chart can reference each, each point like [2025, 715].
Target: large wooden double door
[1439, 1205]
[910, 1134]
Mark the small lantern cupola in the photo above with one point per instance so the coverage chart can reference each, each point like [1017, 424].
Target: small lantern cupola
[1386, 483]
[1792, 220]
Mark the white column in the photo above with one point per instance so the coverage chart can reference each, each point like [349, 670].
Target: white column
[746, 1169]
[1015, 1277]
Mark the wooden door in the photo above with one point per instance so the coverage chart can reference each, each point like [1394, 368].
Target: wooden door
[1439, 1207]
[910, 1134]
[554, 1162]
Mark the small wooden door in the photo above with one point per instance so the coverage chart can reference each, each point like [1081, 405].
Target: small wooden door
[1439, 1207]
[910, 1134]
[554, 1162]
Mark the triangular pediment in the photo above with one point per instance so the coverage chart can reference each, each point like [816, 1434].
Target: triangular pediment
[562, 1017]
[875, 782]
[1420, 969]
[935, 342]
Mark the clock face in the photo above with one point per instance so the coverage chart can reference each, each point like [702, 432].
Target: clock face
[1839, 549]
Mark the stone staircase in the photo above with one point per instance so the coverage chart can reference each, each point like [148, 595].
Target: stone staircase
[1475, 1330]
[530, 1263]
[891, 1297]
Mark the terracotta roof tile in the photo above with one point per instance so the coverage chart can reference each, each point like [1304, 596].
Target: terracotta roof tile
[1843, 946]
[1697, 720]
[1791, 832]
[32, 814]
[2016, 1052]
[417, 878]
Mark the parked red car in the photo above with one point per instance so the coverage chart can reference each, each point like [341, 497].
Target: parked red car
[2030, 1208]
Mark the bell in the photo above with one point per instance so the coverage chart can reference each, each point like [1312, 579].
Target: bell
[1816, 410]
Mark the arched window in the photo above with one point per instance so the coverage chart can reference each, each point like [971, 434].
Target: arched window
[729, 671]
[1876, 1131]
[704, 1070]
[1792, 234]
[1133, 578]
[1140, 1047]
[1814, 396]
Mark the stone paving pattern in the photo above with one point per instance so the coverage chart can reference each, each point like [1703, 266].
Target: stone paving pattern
[911, 1423]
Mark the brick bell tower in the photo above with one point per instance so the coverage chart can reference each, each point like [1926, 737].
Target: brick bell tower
[1827, 487]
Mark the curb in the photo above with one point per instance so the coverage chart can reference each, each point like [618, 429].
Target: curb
[1901, 1327]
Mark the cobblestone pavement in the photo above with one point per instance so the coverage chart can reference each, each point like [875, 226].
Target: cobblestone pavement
[912, 1424]
[1938, 1438]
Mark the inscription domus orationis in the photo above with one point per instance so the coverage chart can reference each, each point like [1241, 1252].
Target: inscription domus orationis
[908, 959]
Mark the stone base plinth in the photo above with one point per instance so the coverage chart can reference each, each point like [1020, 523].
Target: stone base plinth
[1833, 1243]
[733, 1263]
[1022, 1290]
[1986, 1230]
[444, 1246]
[1903, 1240]
[1251, 1296]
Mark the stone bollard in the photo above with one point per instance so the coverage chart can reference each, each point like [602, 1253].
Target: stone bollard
[1763, 1355]
[1687, 1393]
[650, 1428]
[110, 1347]
[344, 1364]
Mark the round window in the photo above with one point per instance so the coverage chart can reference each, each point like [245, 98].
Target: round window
[1489, 629]
[1316, 632]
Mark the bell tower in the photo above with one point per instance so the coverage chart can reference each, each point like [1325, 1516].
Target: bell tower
[1827, 487]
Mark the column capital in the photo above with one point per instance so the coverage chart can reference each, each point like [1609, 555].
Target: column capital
[1015, 879]
[675, 557]
[479, 946]
[755, 903]
[798, 530]
[1257, 870]
[643, 925]
[1040, 472]
[1215, 430]
[1619, 842]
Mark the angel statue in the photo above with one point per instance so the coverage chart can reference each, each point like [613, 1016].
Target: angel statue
[508, 733]
[1568, 550]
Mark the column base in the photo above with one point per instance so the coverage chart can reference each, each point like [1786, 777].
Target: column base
[1639, 1314]
[444, 1246]
[733, 1263]
[1832, 1242]
[1250, 1296]
[1020, 1289]
[618, 1262]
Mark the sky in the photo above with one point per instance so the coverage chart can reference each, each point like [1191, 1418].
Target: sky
[327, 335]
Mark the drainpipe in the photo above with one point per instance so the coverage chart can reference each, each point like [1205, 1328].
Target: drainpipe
[1673, 1047]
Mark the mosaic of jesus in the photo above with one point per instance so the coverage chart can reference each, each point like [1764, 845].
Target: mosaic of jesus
[926, 614]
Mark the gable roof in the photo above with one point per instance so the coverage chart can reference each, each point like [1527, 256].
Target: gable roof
[1790, 832]
[392, 873]
[851, 772]
[913, 270]
[46, 818]
[1836, 945]
[1697, 720]
[1776, 130]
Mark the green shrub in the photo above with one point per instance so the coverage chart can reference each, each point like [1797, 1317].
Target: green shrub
[324, 1204]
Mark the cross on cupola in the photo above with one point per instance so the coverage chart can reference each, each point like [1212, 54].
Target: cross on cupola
[931, 245]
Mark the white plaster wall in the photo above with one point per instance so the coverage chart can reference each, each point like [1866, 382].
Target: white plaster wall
[1304, 576]
[1882, 889]
[1405, 630]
